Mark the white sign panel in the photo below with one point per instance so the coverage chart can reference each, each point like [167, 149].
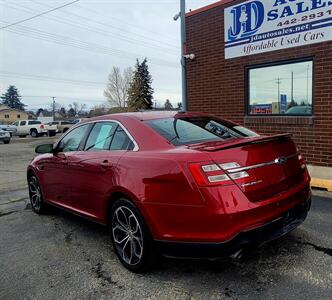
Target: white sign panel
[266, 25]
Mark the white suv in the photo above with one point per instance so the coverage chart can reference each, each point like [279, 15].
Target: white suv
[33, 127]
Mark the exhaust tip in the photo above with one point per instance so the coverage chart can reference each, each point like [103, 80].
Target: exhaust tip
[238, 255]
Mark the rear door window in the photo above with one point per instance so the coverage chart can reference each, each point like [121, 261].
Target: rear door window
[100, 137]
[121, 141]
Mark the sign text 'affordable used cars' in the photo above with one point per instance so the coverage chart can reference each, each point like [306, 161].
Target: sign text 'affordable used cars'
[267, 25]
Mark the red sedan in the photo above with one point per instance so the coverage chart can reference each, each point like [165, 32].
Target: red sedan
[179, 184]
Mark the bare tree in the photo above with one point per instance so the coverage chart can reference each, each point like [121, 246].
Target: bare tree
[77, 108]
[57, 106]
[98, 110]
[116, 91]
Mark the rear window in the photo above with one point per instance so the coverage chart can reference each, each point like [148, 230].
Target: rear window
[34, 122]
[193, 130]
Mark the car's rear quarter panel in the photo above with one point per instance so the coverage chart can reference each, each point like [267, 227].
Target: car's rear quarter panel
[164, 190]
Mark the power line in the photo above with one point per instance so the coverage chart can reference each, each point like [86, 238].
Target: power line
[84, 83]
[107, 25]
[102, 32]
[91, 47]
[38, 15]
[169, 37]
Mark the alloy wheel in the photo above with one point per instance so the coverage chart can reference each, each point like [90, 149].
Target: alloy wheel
[35, 193]
[127, 234]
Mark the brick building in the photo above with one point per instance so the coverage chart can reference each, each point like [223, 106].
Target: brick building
[264, 75]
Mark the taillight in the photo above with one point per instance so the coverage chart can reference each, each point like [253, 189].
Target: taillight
[209, 174]
[301, 160]
[214, 174]
[239, 175]
[41, 126]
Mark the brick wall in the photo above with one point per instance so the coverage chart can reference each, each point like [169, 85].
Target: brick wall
[217, 86]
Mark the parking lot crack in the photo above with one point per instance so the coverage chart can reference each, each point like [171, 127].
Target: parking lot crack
[7, 213]
[325, 250]
[98, 268]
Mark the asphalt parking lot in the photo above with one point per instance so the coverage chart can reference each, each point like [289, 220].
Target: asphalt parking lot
[60, 256]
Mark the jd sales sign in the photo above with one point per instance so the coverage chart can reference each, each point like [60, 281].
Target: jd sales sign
[267, 25]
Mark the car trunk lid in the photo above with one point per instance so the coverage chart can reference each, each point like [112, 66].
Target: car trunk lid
[261, 166]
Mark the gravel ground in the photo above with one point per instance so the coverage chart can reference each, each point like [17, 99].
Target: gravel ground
[61, 256]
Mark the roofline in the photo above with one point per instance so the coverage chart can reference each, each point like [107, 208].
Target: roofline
[208, 7]
[11, 109]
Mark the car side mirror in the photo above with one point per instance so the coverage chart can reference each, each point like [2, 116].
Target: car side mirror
[46, 148]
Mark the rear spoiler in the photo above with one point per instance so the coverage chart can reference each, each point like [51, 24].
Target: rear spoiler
[232, 143]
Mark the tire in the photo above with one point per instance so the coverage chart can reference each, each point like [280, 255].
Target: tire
[131, 239]
[36, 198]
[34, 133]
[6, 142]
[51, 133]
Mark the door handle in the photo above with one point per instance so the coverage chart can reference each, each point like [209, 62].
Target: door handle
[105, 164]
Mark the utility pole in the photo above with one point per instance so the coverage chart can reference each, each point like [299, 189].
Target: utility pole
[308, 85]
[292, 87]
[183, 53]
[278, 82]
[53, 105]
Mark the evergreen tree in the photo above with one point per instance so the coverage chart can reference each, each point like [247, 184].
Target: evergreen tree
[39, 111]
[63, 112]
[292, 104]
[140, 92]
[179, 106]
[168, 105]
[71, 113]
[12, 98]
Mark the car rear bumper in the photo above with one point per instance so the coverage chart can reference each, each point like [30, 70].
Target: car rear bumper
[272, 230]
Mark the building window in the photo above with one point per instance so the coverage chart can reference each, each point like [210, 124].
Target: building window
[18, 116]
[281, 89]
[6, 116]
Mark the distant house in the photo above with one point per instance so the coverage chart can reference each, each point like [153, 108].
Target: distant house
[10, 115]
[43, 113]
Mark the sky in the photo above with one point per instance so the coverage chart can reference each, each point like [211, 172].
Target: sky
[69, 53]
[264, 83]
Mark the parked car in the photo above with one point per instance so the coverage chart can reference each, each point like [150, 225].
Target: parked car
[33, 127]
[79, 120]
[5, 136]
[299, 110]
[51, 129]
[62, 126]
[9, 128]
[179, 184]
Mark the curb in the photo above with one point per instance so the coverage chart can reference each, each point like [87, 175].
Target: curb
[322, 183]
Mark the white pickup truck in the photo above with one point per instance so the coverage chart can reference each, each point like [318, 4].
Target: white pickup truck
[30, 127]
[51, 128]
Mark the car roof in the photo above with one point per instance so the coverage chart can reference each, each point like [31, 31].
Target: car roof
[150, 115]
[145, 116]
